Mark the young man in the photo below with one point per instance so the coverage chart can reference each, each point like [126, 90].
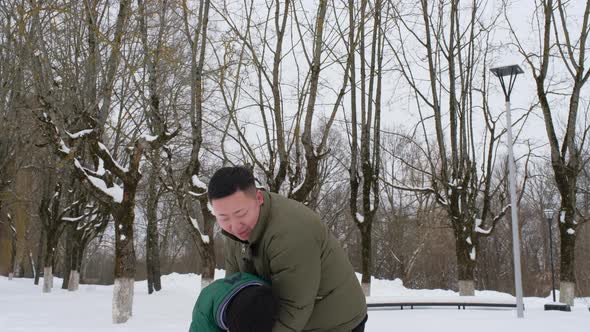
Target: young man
[285, 243]
[239, 303]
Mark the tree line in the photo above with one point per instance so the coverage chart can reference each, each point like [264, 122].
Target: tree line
[380, 115]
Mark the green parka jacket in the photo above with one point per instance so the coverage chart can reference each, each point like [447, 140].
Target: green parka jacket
[209, 311]
[307, 268]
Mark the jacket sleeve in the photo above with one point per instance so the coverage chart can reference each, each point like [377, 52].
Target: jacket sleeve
[231, 264]
[295, 266]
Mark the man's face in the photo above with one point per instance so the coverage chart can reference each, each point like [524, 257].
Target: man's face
[238, 213]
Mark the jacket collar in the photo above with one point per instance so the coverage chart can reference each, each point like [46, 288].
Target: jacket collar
[261, 224]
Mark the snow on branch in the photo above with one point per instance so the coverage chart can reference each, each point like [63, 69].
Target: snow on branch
[149, 138]
[115, 192]
[109, 194]
[112, 162]
[204, 238]
[196, 195]
[478, 229]
[359, 218]
[479, 222]
[80, 134]
[196, 182]
[74, 219]
[155, 142]
[63, 147]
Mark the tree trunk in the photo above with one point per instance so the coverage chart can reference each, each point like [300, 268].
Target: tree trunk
[68, 259]
[51, 243]
[366, 243]
[76, 261]
[124, 216]
[567, 266]
[47, 279]
[208, 248]
[153, 249]
[208, 264]
[40, 254]
[12, 267]
[465, 265]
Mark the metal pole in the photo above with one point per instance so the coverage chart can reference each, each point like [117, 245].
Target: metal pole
[551, 257]
[514, 210]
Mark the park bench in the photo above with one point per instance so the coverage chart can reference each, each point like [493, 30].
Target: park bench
[461, 302]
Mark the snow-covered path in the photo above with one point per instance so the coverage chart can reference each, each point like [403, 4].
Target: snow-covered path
[23, 307]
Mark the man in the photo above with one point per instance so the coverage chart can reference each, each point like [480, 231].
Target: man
[285, 243]
[239, 303]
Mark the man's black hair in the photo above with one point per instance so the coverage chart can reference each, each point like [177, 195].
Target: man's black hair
[228, 180]
[253, 309]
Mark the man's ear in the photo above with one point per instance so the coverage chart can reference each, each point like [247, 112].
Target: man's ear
[259, 197]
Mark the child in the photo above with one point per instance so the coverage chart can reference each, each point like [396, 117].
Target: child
[239, 303]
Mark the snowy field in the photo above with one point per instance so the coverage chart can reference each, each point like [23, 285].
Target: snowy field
[23, 307]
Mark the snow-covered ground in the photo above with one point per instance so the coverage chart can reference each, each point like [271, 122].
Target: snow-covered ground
[23, 307]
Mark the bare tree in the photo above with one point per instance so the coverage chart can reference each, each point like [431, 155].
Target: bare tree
[555, 24]
[455, 50]
[188, 188]
[155, 116]
[370, 123]
[51, 214]
[289, 153]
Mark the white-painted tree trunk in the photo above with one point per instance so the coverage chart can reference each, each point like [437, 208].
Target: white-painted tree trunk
[47, 279]
[567, 292]
[366, 288]
[10, 276]
[466, 288]
[122, 300]
[74, 282]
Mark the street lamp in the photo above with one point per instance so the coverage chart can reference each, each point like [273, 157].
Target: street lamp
[549, 213]
[549, 216]
[511, 72]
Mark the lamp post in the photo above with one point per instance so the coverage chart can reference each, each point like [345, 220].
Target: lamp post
[549, 213]
[511, 72]
[549, 216]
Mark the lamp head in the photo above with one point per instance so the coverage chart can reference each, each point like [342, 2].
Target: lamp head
[549, 213]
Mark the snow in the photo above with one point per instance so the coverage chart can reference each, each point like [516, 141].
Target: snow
[205, 238]
[469, 240]
[79, 134]
[198, 183]
[478, 229]
[73, 219]
[195, 225]
[570, 231]
[360, 218]
[63, 147]
[122, 237]
[25, 308]
[104, 149]
[100, 170]
[298, 187]
[149, 138]
[562, 217]
[115, 192]
[472, 254]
